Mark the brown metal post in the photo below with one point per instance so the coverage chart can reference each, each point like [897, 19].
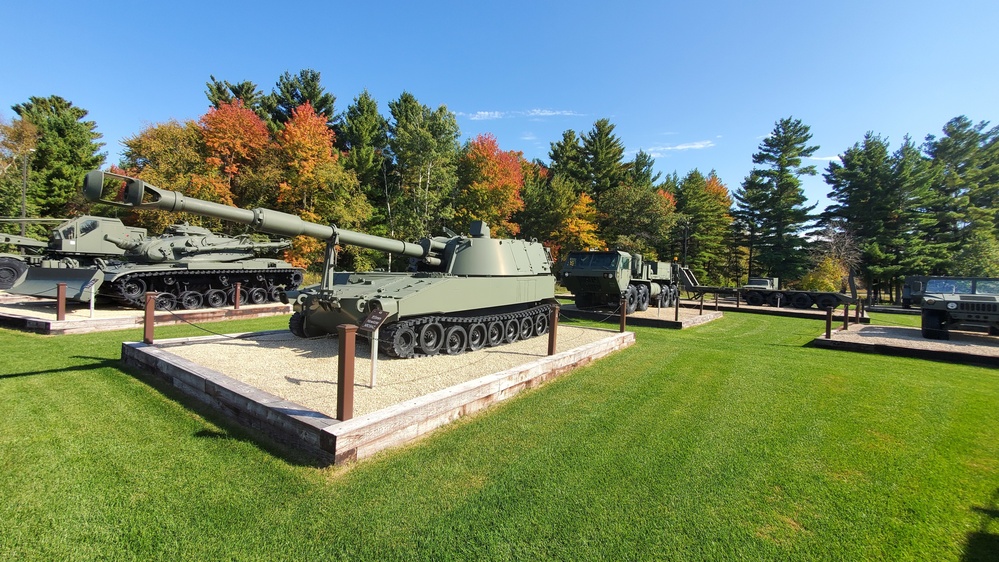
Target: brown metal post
[624, 311]
[856, 314]
[60, 301]
[553, 330]
[235, 297]
[700, 311]
[676, 307]
[846, 316]
[738, 298]
[716, 302]
[345, 372]
[829, 322]
[148, 320]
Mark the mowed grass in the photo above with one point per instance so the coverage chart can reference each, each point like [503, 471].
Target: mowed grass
[730, 441]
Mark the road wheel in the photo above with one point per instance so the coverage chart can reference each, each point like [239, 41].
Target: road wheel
[190, 300]
[495, 333]
[258, 296]
[541, 323]
[216, 298]
[431, 338]
[511, 330]
[455, 338]
[526, 328]
[133, 288]
[166, 301]
[477, 336]
[10, 270]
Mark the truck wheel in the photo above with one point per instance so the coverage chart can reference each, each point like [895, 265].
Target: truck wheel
[10, 270]
[754, 298]
[583, 301]
[801, 300]
[631, 298]
[643, 297]
[777, 299]
[826, 301]
[933, 325]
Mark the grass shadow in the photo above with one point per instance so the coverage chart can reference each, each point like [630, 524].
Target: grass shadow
[983, 545]
[97, 363]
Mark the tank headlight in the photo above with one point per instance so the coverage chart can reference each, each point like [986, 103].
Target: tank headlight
[952, 306]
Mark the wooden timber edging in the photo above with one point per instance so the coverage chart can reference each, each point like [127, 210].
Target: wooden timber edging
[331, 441]
[904, 351]
[663, 321]
[788, 311]
[87, 325]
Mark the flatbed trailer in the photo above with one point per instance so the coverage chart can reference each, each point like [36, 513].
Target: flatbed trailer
[764, 291]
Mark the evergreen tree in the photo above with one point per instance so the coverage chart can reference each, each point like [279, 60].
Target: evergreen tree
[783, 215]
[602, 157]
[363, 138]
[749, 226]
[221, 92]
[424, 147]
[292, 91]
[67, 148]
[566, 158]
[703, 209]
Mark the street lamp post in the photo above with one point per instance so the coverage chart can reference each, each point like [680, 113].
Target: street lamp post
[24, 193]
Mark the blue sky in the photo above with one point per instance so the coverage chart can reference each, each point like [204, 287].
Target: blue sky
[695, 84]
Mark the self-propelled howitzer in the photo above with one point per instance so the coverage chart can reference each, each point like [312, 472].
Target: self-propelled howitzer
[460, 293]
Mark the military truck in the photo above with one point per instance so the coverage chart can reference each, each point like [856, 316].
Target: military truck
[968, 303]
[600, 279]
[73, 244]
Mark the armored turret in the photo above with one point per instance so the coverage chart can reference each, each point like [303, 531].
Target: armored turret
[461, 291]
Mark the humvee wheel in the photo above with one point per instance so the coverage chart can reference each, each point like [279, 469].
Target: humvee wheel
[190, 300]
[216, 298]
[431, 338]
[933, 326]
[495, 333]
[10, 270]
[477, 336]
[754, 298]
[296, 324]
[511, 330]
[454, 340]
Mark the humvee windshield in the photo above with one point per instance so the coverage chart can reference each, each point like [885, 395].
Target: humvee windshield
[948, 286]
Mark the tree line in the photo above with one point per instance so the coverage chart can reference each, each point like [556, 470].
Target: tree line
[927, 209]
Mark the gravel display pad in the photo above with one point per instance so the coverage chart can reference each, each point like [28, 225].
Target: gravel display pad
[962, 347]
[304, 371]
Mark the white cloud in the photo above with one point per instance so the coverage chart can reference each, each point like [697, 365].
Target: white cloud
[528, 137]
[697, 145]
[549, 113]
[484, 115]
[824, 158]
[530, 113]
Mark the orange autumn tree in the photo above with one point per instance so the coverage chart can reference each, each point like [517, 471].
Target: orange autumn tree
[318, 188]
[489, 186]
[234, 136]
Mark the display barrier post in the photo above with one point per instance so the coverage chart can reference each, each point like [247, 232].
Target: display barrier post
[345, 372]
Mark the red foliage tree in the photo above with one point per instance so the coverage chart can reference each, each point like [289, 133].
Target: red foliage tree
[490, 185]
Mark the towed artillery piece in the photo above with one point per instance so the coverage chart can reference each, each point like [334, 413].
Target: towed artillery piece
[460, 292]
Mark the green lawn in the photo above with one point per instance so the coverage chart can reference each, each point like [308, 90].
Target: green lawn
[730, 441]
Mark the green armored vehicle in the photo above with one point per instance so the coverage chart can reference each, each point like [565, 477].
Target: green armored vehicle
[601, 279]
[958, 303]
[72, 244]
[187, 266]
[461, 292]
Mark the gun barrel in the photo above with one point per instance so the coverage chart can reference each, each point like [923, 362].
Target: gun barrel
[142, 195]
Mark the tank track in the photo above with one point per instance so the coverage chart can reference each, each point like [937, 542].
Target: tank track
[430, 335]
[193, 289]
